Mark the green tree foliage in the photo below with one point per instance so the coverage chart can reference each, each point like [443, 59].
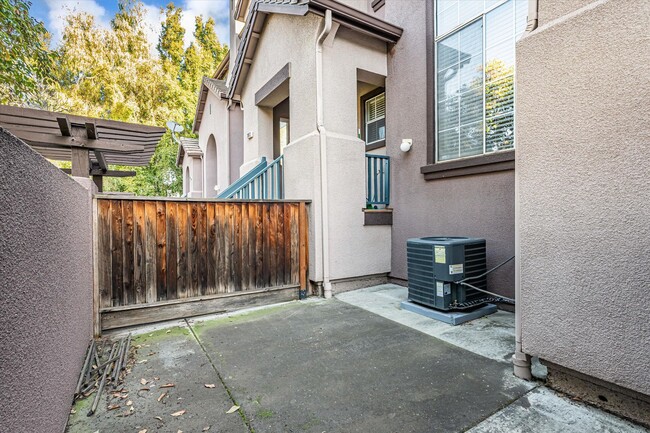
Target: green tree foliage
[116, 74]
[25, 61]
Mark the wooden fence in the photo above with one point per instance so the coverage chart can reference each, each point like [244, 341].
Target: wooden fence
[159, 259]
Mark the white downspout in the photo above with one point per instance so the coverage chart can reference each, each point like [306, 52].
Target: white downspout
[322, 141]
[521, 360]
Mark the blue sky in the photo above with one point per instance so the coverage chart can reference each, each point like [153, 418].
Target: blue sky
[52, 12]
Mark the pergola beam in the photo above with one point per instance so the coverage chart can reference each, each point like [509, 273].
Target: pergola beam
[91, 131]
[101, 160]
[64, 126]
[107, 173]
[48, 140]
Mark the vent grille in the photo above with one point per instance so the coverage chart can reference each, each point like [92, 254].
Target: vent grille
[420, 274]
[475, 264]
[422, 271]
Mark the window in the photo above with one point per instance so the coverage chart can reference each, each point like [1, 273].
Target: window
[474, 74]
[375, 119]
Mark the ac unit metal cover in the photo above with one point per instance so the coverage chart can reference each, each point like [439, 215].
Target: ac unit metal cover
[436, 264]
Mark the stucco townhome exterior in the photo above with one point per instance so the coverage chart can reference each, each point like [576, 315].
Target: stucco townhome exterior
[448, 89]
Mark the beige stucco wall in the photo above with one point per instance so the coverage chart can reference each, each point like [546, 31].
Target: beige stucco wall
[285, 39]
[215, 121]
[477, 205]
[46, 274]
[355, 250]
[583, 160]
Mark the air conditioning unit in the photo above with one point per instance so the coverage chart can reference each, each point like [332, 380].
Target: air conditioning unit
[437, 264]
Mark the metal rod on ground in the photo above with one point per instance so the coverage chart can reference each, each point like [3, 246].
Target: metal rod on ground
[102, 383]
[89, 370]
[125, 357]
[85, 368]
[116, 370]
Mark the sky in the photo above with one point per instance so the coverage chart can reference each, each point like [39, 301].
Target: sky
[52, 13]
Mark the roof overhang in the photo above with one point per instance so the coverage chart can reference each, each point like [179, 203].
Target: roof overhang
[344, 15]
[189, 147]
[217, 88]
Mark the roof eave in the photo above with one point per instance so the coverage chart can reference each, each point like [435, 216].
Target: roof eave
[343, 14]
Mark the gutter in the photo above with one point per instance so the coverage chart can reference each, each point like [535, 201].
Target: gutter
[521, 360]
[322, 141]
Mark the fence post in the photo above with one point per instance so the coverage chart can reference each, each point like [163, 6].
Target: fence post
[97, 327]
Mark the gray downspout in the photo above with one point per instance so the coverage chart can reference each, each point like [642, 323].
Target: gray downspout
[521, 360]
[322, 141]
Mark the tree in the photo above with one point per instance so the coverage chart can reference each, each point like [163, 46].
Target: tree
[115, 74]
[170, 43]
[25, 61]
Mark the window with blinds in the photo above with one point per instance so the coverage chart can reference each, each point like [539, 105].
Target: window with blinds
[375, 119]
[475, 65]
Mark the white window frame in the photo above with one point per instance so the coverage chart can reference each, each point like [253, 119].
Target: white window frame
[437, 38]
[365, 120]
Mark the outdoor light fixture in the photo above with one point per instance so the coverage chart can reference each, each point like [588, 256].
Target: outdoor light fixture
[406, 144]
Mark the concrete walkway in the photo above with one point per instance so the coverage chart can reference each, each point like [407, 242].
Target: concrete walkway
[323, 366]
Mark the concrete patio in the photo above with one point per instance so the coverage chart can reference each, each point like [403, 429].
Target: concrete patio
[353, 364]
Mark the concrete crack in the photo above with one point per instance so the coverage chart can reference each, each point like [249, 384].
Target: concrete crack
[222, 380]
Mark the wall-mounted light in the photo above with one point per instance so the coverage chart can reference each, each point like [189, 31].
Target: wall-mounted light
[406, 144]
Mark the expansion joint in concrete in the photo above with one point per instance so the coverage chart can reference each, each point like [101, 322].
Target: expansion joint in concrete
[221, 379]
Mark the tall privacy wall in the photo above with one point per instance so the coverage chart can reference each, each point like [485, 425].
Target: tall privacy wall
[583, 160]
[46, 288]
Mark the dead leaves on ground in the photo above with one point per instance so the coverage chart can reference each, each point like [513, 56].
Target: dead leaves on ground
[209, 385]
[179, 413]
[234, 408]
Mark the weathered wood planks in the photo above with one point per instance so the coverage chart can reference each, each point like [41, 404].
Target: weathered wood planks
[152, 251]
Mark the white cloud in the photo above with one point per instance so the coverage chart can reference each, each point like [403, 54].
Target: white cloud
[60, 9]
[217, 9]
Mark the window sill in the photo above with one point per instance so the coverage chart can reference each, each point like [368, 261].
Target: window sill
[375, 146]
[491, 163]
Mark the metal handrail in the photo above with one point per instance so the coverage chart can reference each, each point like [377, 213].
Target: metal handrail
[267, 184]
[378, 180]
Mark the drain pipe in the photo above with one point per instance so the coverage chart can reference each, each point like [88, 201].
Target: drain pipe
[521, 360]
[532, 16]
[322, 142]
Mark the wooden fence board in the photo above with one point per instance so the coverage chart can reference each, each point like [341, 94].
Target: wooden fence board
[116, 252]
[127, 253]
[157, 251]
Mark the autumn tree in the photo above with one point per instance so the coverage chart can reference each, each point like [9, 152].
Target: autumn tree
[25, 60]
[115, 74]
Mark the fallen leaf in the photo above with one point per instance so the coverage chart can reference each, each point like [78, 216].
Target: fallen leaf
[129, 403]
[167, 385]
[143, 389]
[168, 331]
[156, 378]
[180, 431]
[159, 418]
[151, 353]
[179, 413]
[73, 411]
[210, 385]
[206, 428]
[142, 361]
[143, 381]
[113, 406]
[143, 431]
[233, 409]
[162, 395]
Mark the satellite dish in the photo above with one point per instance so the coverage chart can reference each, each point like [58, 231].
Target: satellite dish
[175, 127]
